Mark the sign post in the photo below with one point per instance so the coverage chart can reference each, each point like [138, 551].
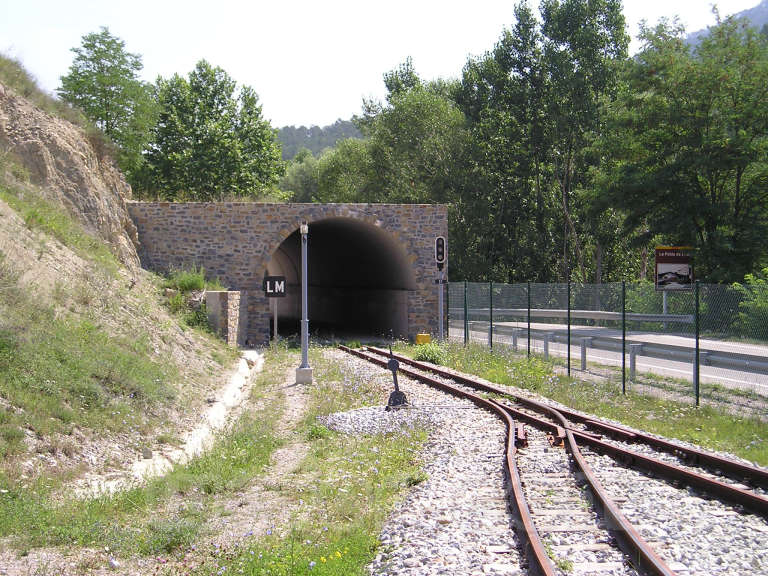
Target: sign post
[274, 288]
[440, 253]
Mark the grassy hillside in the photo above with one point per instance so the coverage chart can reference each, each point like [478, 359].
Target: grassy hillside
[90, 354]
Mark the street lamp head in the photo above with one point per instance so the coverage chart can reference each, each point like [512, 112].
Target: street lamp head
[304, 228]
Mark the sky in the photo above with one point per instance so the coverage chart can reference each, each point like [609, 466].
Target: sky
[310, 61]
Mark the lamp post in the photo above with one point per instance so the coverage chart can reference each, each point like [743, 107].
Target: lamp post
[304, 372]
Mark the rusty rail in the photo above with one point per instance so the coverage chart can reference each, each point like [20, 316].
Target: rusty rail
[536, 552]
[750, 500]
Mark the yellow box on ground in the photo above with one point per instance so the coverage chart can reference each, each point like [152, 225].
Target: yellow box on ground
[423, 338]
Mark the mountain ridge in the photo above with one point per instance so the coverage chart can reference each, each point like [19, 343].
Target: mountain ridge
[757, 16]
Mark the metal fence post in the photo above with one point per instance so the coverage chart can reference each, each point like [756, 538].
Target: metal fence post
[696, 358]
[568, 347]
[490, 314]
[529, 319]
[466, 320]
[623, 336]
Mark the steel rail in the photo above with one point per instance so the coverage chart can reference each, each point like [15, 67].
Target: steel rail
[751, 500]
[736, 495]
[630, 540]
[704, 459]
[628, 537]
[536, 552]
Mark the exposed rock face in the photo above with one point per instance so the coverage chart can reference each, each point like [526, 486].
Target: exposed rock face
[63, 163]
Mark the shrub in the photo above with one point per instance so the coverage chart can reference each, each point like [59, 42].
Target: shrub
[198, 318]
[430, 353]
[185, 280]
[191, 280]
[753, 309]
[317, 432]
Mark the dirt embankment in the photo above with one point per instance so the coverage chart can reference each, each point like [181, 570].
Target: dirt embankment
[69, 171]
[63, 167]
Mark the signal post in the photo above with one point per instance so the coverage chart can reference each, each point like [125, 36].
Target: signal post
[440, 257]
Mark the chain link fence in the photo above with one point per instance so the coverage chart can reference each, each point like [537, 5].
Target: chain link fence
[705, 345]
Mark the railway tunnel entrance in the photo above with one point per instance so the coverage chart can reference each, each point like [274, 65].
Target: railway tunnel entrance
[371, 266]
[359, 279]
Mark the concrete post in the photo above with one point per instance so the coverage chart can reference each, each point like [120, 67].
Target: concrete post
[584, 343]
[634, 350]
[547, 336]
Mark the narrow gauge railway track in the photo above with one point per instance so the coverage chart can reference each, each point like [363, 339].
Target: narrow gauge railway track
[722, 478]
[637, 550]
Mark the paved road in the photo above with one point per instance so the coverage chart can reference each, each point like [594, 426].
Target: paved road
[683, 370]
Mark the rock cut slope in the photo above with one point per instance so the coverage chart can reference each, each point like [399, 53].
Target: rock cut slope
[69, 171]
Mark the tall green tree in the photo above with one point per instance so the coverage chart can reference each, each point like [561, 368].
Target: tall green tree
[345, 173]
[532, 104]
[211, 141]
[416, 144]
[687, 146]
[412, 151]
[103, 82]
[507, 210]
[585, 42]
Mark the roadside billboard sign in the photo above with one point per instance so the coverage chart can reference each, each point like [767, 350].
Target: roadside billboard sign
[674, 268]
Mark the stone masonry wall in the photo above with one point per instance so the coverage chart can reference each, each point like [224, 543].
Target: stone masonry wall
[226, 315]
[235, 242]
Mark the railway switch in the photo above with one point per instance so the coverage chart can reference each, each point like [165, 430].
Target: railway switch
[397, 398]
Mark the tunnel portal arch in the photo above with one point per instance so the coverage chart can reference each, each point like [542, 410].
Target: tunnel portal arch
[359, 279]
[371, 266]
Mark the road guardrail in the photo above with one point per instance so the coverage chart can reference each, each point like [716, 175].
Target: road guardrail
[707, 356]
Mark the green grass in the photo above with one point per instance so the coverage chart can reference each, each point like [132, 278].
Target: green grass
[358, 479]
[348, 485]
[338, 388]
[135, 519]
[59, 371]
[707, 425]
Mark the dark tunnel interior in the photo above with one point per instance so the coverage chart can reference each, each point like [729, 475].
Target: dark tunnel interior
[359, 277]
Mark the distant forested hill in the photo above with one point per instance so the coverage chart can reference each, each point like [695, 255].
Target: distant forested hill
[757, 16]
[315, 138]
